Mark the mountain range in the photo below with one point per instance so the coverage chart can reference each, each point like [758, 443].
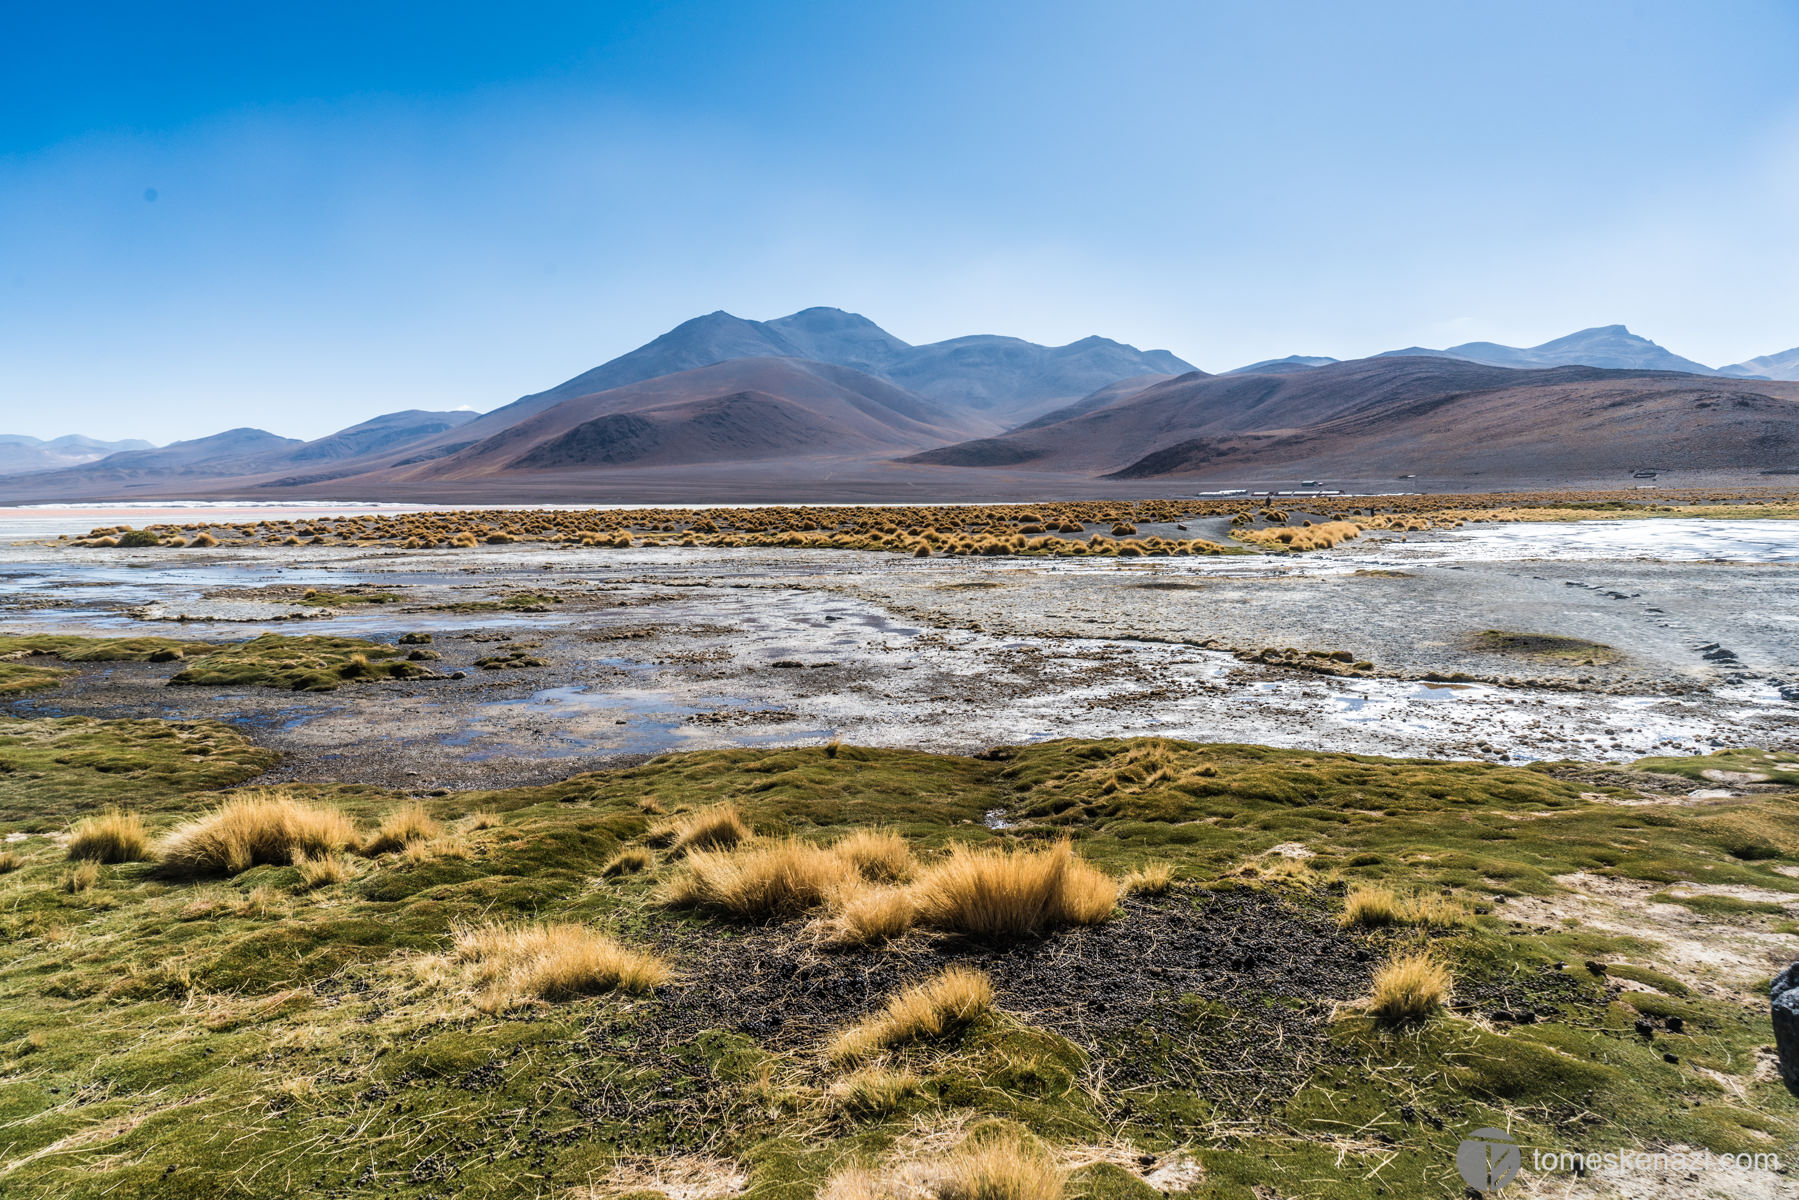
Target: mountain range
[826, 404]
[20, 453]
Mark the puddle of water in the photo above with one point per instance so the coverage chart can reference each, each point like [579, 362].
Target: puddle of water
[577, 721]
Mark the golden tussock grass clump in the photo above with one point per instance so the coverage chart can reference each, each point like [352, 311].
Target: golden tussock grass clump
[1282, 869]
[760, 881]
[991, 1164]
[261, 901]
[554, 962]
[402, 827]
[859, 1183]
[448, 845]
[1371, 906]
[949, 1001]
[324, 869]
[1153, 880]
[111, 837]
[878, 855]
[629, 861]
[1313, 537]
[10, 861]
[272, 827]
[873, 1091]
[1012, 893]
[1409, 988]
[1004, 1165]
[717, 828]
[864, 915]
[482, 819]
[85, 875]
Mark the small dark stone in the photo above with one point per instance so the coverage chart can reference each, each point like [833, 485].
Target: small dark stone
[787, 663]
[1596, 967]
[1670, 1058]
[1645, 1027]
[1676, 1024]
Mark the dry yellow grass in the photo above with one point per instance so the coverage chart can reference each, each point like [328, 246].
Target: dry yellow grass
[448, 845]
[1000, 1166]
[83, 876]
[873, 1091]
[401, 828]
[1314, 537]
[1370, 906]
[1409, 988]
[950, 1000]
[878, 855]
[759, 881]
[857, 1183]
[111, 837]
[554, 962]
[1012, 893]
[1153, 880]
[10, 861]
[628, 861]
[323, 869]
[262, 901]
[272, 827]
[864, 915]
[717, 828]
[476, 821]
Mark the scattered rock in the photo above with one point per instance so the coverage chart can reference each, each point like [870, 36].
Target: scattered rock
[1783, 998]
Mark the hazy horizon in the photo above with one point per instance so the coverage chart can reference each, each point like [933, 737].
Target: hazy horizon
[218, 217]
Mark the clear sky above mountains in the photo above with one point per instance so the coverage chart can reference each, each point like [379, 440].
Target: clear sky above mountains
[299, 216]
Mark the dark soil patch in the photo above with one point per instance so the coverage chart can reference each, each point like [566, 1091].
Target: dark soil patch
[1230, 990]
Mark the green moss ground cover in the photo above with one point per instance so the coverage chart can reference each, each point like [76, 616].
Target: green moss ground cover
[19, 674]
[323, 599]
[263, 1036]
[54, 770]
[301, 664]
[1754, 765]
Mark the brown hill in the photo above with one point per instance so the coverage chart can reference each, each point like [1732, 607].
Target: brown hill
[1433, 417]
[742, 410]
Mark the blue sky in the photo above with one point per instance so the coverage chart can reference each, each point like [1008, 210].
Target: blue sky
[365, 207]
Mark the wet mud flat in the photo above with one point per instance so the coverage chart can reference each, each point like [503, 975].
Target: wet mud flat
[609, 655]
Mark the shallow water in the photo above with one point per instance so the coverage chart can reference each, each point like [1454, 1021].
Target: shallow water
[958, 654]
